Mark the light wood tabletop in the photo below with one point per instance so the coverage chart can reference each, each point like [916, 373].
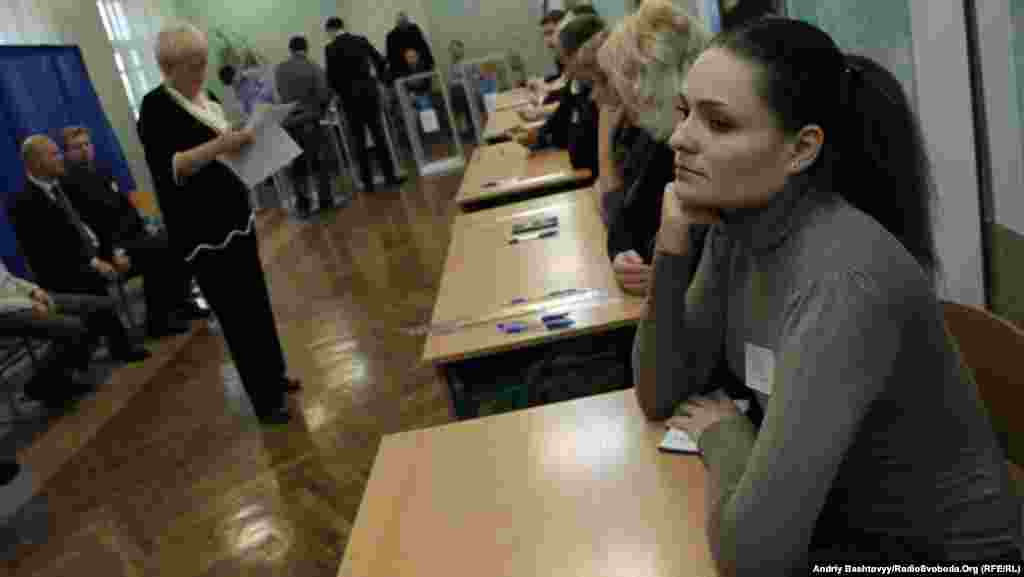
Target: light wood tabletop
[515, 98]
[572, 489]
[501, 122]
[484, 274]
[509, 169]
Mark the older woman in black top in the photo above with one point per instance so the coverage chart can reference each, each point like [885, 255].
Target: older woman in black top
[207, 213]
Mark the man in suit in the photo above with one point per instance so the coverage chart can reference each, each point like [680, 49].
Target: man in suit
[302, 81]
[350, 59]
[72, 322]
[122, 234]
[404, 36]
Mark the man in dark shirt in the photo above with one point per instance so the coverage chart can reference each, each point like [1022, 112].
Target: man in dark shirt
[122, 233]
[350, 60]
[301, 80]
[574, 125]
[404, 36]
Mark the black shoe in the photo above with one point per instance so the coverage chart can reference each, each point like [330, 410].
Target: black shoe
[277, 416]
[167, 327]
[396, 180]
[130, 354]
[8, 472]
[292, 385]
[193, 312]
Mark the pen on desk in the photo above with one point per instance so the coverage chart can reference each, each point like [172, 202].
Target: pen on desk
[562, 322]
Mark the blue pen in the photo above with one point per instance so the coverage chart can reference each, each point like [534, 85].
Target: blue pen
[559, 324]
[512, 328]
[549, 318]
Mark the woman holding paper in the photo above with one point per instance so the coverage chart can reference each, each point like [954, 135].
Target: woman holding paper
[816, 287]
[207, 213]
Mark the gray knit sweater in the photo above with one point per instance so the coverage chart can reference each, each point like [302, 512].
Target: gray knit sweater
[871, 422]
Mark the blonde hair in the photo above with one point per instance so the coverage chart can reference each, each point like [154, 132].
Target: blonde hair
[177, 42]
[652, 50]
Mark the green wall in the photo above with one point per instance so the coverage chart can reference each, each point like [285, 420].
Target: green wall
[265, 24]
[878, 29]
[1006, 279]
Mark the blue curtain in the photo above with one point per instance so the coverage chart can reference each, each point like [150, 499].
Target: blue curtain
[42, 90]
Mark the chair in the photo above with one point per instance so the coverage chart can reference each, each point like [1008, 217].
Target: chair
[992, 349]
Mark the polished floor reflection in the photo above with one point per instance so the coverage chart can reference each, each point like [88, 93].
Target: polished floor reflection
[181, 481]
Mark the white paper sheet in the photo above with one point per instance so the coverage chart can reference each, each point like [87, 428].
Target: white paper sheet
[428, 118]
[271, 150]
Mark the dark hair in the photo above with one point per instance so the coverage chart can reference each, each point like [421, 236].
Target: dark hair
[552, 17]
[583, 10]
[873, 143]
[298, 44]
[747, 11]
[577, 32]
[226, 74]
[335, 23]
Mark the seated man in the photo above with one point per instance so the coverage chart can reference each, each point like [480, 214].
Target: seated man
[122, 233]
[73, 322]
[574, 125]
[419, 90]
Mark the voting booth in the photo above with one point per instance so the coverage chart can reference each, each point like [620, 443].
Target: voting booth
[343, 144]
[478, 88]
[429, 123]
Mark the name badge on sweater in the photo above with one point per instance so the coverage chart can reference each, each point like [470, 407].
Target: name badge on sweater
[575, 116]
[760, 368]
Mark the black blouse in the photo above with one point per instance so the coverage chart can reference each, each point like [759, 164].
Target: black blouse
[649, 166]
[205, 210]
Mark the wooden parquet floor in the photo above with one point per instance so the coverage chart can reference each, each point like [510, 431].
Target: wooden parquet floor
[180, 480]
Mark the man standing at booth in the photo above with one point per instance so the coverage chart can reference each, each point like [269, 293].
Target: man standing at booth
[302, 81]
[350, 59]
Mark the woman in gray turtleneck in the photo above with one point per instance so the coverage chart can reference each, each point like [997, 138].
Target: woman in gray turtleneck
[815, 288]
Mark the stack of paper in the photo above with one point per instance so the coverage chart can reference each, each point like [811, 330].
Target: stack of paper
[271, 150]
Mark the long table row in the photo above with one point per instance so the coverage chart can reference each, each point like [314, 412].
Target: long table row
[574, 488]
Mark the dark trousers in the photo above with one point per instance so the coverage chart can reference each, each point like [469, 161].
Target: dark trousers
[311, 139]
[166, 278]
[233, 283]
[362, 109]
[74, 328]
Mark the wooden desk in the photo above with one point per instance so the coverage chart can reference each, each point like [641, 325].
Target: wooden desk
[515, 171]
[573, 489]
[501, 122]
[483, 273]
[515, 98]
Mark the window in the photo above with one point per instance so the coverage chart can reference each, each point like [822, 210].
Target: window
[132, 26]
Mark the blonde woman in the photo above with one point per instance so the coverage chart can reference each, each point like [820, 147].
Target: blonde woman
[635, 72]
[209, 219]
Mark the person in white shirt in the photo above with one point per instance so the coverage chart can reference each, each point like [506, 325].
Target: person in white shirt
[72, 321]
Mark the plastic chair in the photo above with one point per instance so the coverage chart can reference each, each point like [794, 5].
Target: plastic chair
[992, 348]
